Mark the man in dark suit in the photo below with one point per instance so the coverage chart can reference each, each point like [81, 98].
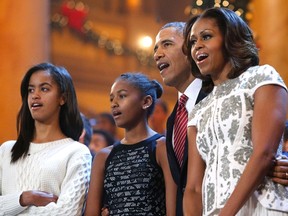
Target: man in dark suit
[176, 72]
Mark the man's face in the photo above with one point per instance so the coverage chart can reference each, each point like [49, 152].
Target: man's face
[172, 63]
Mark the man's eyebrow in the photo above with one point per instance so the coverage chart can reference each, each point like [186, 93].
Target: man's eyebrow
[162, 42]
[155, 47]
[166, 40]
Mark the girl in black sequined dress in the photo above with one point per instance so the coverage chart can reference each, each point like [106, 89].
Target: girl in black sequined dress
[133, 175]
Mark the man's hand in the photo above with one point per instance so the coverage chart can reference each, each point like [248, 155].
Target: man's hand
[279, 172]
[37, 198]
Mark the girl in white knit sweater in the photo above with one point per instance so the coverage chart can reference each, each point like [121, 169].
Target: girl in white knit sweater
[46, 171]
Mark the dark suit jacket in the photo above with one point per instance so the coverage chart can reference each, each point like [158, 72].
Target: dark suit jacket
[179, 175]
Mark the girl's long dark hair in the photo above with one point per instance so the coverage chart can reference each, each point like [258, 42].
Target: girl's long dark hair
[69, 117]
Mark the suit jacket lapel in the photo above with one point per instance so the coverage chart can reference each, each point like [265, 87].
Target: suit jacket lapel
[174, 166]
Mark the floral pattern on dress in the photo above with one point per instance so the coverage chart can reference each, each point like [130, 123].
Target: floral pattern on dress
[224, 121]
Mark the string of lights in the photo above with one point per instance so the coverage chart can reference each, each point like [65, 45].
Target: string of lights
[242, 8]
[74, 15]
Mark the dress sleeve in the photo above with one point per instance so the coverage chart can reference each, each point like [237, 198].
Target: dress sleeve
[266, 75]
[73, 189]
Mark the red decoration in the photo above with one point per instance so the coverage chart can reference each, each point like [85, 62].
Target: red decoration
[76, 14]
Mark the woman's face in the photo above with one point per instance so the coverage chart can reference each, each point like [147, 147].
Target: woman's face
[44, 98]
[208, 49]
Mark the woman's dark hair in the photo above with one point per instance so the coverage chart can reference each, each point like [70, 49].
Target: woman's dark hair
[69, 117]
[239, 46]
[146, 87]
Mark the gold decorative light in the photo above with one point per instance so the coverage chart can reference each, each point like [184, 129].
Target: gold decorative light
[242, 8]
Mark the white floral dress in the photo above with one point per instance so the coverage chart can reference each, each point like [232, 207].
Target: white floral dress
[223, 120]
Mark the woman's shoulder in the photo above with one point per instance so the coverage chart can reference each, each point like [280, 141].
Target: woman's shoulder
[80, 147]
[70, 147]
[257, 76]
[5, 149]
[8, 145]
[261, 71]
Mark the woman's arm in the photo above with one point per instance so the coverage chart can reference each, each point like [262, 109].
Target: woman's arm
[192, 201]
[95, 192]
[170, 186]
[267, 128]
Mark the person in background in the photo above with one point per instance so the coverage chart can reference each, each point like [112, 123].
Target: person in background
[175, 71]
[129, 176]
[100, 139]
[86, 135]
[157, 120]
[105, 121]
[45, 171]
[231, 146]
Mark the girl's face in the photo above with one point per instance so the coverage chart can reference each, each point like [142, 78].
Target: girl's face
[208, 50]
[126, 104]
[44, 98]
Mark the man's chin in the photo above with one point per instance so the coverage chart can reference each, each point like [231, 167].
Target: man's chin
[167, 83]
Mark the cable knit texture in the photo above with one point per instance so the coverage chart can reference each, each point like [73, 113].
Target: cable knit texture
[61, 167]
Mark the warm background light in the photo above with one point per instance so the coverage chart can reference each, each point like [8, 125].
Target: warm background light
[98, 44]
[145, 42]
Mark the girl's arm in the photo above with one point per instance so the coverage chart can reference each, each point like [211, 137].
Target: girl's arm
[192, 201]
[267, 128]
[95, 192]
[71, 198]
[73, 188]
[170, 185]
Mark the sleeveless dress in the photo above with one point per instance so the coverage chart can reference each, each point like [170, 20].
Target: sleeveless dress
[133, 181]
[224, 122]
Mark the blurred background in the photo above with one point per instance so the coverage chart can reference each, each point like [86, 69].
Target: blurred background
[97, 40]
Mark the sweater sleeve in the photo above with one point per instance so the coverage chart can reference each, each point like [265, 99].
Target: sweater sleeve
[73, 189]
[9, 204]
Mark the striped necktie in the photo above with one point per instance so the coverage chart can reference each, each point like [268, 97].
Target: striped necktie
[180, 129]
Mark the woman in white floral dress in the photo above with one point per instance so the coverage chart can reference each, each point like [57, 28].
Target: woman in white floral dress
[234, 133]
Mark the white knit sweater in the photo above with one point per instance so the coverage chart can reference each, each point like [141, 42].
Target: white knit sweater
[61, 167]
